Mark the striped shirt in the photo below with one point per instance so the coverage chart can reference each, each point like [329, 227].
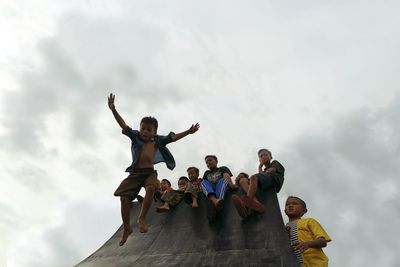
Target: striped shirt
[293, 235]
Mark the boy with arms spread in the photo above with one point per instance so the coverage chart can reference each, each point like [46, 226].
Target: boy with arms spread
[147, 149]
[215, 184]
[306, 235]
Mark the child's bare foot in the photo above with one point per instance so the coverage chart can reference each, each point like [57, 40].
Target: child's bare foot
[143, 228]
[254, 204]
[240, 207]
[194, 202]
[219, 205]
[162, 209]
[125, 235]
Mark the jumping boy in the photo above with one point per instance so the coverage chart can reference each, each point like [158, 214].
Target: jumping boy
[270, 174]
[306, 235]
[147, 149]
[216, 181]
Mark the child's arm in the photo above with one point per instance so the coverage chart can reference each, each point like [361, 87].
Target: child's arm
[316, 243]
[194, 128]
[228, 178]
[117, 117]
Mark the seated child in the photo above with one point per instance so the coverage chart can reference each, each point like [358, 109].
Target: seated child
[193, 187]
[306, 235]
[216, 181]
[270, 174]
[242, 181]
[172, 198]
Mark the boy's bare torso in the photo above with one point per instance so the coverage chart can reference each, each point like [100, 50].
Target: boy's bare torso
[146, 158]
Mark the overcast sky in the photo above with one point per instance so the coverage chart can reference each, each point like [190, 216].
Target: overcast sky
[316, 82]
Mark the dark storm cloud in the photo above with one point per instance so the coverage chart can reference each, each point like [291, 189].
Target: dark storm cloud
[79, 66]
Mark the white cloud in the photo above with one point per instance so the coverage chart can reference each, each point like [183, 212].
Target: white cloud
[316, 83]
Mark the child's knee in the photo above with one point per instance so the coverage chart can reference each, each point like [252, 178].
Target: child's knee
[150, 189]
[125, 199]
[253, 178]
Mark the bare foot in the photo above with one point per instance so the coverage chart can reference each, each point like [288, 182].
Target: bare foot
[162, 209]
[254, 204]
[143, 228]
[125, 235]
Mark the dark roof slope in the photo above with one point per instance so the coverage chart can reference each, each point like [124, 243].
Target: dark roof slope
[184, 237]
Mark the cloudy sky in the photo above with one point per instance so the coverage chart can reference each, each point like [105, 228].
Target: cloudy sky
[316, 82]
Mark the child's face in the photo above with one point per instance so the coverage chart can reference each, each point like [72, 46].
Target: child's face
[240, 176]
[294, 208]
[193, 175]
[264, 157]
[147, 131]
[182, 184]
[211, 163]
[164, 185]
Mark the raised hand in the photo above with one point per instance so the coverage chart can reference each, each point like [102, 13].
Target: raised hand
[194, 128]
[111, 99]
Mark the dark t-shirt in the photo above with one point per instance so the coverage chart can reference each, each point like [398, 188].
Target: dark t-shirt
[278, 175]
[214, 175]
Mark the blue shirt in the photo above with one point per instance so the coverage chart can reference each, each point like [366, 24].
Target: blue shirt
[162, 152]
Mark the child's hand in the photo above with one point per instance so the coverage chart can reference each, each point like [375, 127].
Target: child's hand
[301, 247]
[194, 128]
[234, 186]
[270, 170]
[111, 99]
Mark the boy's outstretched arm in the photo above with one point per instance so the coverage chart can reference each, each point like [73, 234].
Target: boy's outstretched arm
[194, 128]
[117, 117]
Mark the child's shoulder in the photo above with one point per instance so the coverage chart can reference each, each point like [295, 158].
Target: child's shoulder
[309, 223]
[307, 220]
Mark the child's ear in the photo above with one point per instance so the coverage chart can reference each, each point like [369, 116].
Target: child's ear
[305, 211]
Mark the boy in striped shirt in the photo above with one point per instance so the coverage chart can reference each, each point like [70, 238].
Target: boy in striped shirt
[307, 236]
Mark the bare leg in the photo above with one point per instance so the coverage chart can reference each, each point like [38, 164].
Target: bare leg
[214, 200]
[250, 200]
[194, 202]
[244, 184]
[148, 199]
[251, 192]
[125, 214]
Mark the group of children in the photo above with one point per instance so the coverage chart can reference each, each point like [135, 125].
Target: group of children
[148, 148]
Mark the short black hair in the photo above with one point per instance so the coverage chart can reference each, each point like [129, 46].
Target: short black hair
[196, 170]
[302, 202]
[211, 156]
[150, 120]
[264, 150]
[166, 180]
[183, 178]
[244, 174]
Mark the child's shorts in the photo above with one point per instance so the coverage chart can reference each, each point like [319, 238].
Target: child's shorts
[265, 180]
[192, 189]
[137, 179]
